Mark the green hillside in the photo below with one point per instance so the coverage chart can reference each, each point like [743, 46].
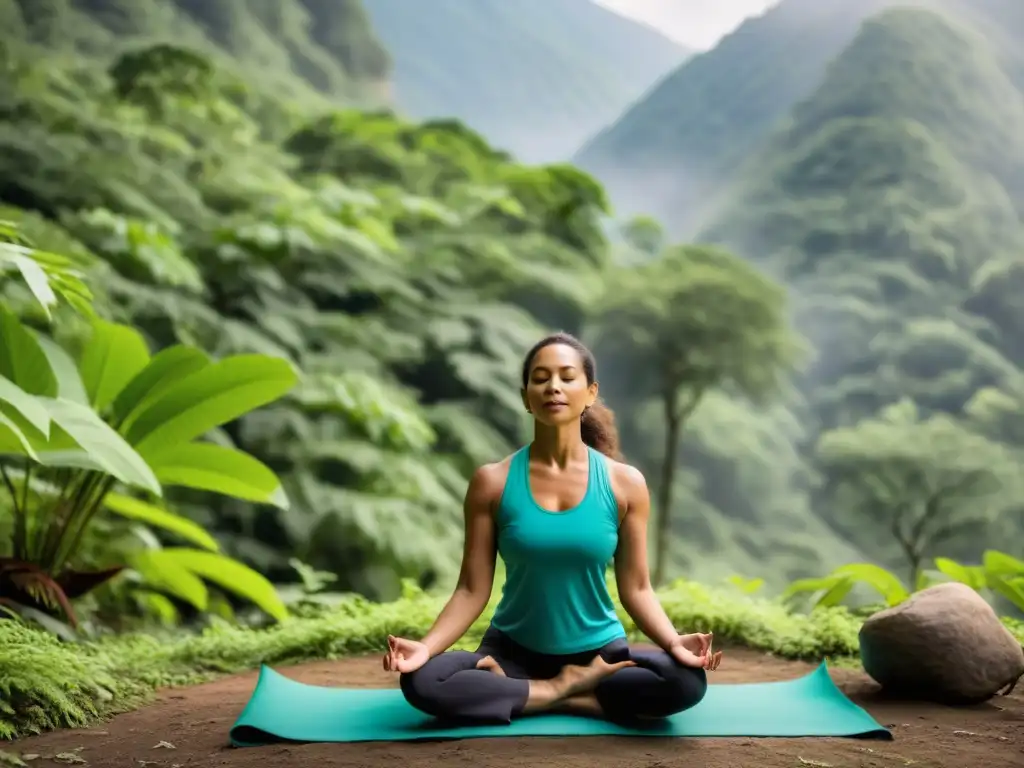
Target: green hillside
[674, 151]
[535, 77]
[670, 151]
[403, 266]
[297, 49]
[888, 202]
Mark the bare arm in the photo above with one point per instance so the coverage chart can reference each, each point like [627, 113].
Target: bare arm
[476, 577]
[632, 573]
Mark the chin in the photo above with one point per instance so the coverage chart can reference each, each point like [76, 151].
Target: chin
[557, 419]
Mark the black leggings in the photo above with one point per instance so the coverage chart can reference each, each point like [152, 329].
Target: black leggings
[450, 687]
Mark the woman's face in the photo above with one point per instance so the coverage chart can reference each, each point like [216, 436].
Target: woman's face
[557, 391]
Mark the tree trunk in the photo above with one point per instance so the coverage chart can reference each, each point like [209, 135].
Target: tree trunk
[673, 420]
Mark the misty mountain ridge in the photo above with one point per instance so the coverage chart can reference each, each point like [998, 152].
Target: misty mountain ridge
[674, 152]
[885, 201]
[535, 77]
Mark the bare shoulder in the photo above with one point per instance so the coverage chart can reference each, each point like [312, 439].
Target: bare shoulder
[628, 483]
[488, 481]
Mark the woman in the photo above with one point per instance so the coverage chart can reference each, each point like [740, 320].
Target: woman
[557, 510]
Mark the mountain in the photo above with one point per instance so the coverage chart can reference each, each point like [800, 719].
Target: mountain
[299, 49]
[536, 77]
[887, 200]
[674, 151]
[668, 153]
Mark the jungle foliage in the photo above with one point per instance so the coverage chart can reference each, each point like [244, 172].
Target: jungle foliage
[403, 268]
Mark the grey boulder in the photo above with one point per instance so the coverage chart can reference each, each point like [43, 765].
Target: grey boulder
[944, 644]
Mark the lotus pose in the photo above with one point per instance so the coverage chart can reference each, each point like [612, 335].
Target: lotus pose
[558, 511]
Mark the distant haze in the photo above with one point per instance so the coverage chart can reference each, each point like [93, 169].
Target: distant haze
[697, 24]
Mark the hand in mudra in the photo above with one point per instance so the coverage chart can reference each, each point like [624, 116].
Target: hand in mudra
[694, 650]
[405, 655]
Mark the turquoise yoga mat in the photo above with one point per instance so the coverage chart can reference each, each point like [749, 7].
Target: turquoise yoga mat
[282, 709]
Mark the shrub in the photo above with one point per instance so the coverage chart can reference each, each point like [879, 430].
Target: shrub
[47, 684]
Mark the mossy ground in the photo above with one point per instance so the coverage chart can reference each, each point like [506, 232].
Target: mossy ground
[47, 684]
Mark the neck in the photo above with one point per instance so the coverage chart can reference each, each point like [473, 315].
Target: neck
[558, 445]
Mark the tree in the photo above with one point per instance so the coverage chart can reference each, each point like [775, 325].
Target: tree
[695, 319]
[644, 237]
[927, 481]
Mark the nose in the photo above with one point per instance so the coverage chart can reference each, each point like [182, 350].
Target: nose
[553, 387]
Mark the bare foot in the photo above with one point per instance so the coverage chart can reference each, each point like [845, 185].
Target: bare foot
[574, 680]
[583, 704]
[489, 664]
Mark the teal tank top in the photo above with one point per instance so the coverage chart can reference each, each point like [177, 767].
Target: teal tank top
[555, 599]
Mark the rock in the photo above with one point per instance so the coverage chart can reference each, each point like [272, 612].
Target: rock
[945, 644]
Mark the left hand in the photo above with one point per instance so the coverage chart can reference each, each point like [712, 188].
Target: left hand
[694, 650]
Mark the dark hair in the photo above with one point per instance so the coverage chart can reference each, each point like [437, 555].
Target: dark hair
[598, 421]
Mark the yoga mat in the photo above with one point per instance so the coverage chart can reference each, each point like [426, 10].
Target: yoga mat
[281, 709]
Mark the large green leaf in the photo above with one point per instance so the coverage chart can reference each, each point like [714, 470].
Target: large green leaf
[111, 359]
[69, 383]
[166, 368]
[971, 575]
[1002, 564]
[13, 440]
[166, 574]
[80, 438]
[136, 509]
[209, 467]
[22, 360]
[885, 583]
[230, 575]
[215, 395]
[33, 411]
[31, 271]
[835, 594]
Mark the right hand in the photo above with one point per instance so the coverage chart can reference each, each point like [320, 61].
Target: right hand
[405, 655]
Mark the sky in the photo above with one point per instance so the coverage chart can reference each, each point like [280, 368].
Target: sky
[697, 24]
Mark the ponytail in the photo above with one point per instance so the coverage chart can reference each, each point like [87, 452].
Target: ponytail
[599, 431]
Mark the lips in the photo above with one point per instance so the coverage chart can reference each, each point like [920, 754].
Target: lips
[555, 405]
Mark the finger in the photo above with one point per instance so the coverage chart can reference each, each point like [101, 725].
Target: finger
[717, 660]
[621, 665]
[384, 662]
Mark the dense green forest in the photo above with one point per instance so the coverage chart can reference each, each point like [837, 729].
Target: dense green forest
[888, 202]
[536, 77]
[404, 268]
[256, 332]
[299, 50]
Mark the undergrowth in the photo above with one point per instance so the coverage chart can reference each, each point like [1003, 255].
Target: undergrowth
[47, 684]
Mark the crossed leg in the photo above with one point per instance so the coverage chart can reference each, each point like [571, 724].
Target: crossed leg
[618, 683]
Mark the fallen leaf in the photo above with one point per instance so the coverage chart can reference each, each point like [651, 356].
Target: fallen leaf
[9, 758]
[164, 745]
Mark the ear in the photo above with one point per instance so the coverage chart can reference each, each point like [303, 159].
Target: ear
[526, 402]
[592, 392]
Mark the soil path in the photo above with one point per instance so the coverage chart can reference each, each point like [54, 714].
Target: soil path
[196, 722]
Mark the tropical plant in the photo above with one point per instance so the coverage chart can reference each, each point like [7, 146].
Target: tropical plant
[999, 574]
[81, 434]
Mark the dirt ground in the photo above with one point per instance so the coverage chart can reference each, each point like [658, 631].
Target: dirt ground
[189, 727]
